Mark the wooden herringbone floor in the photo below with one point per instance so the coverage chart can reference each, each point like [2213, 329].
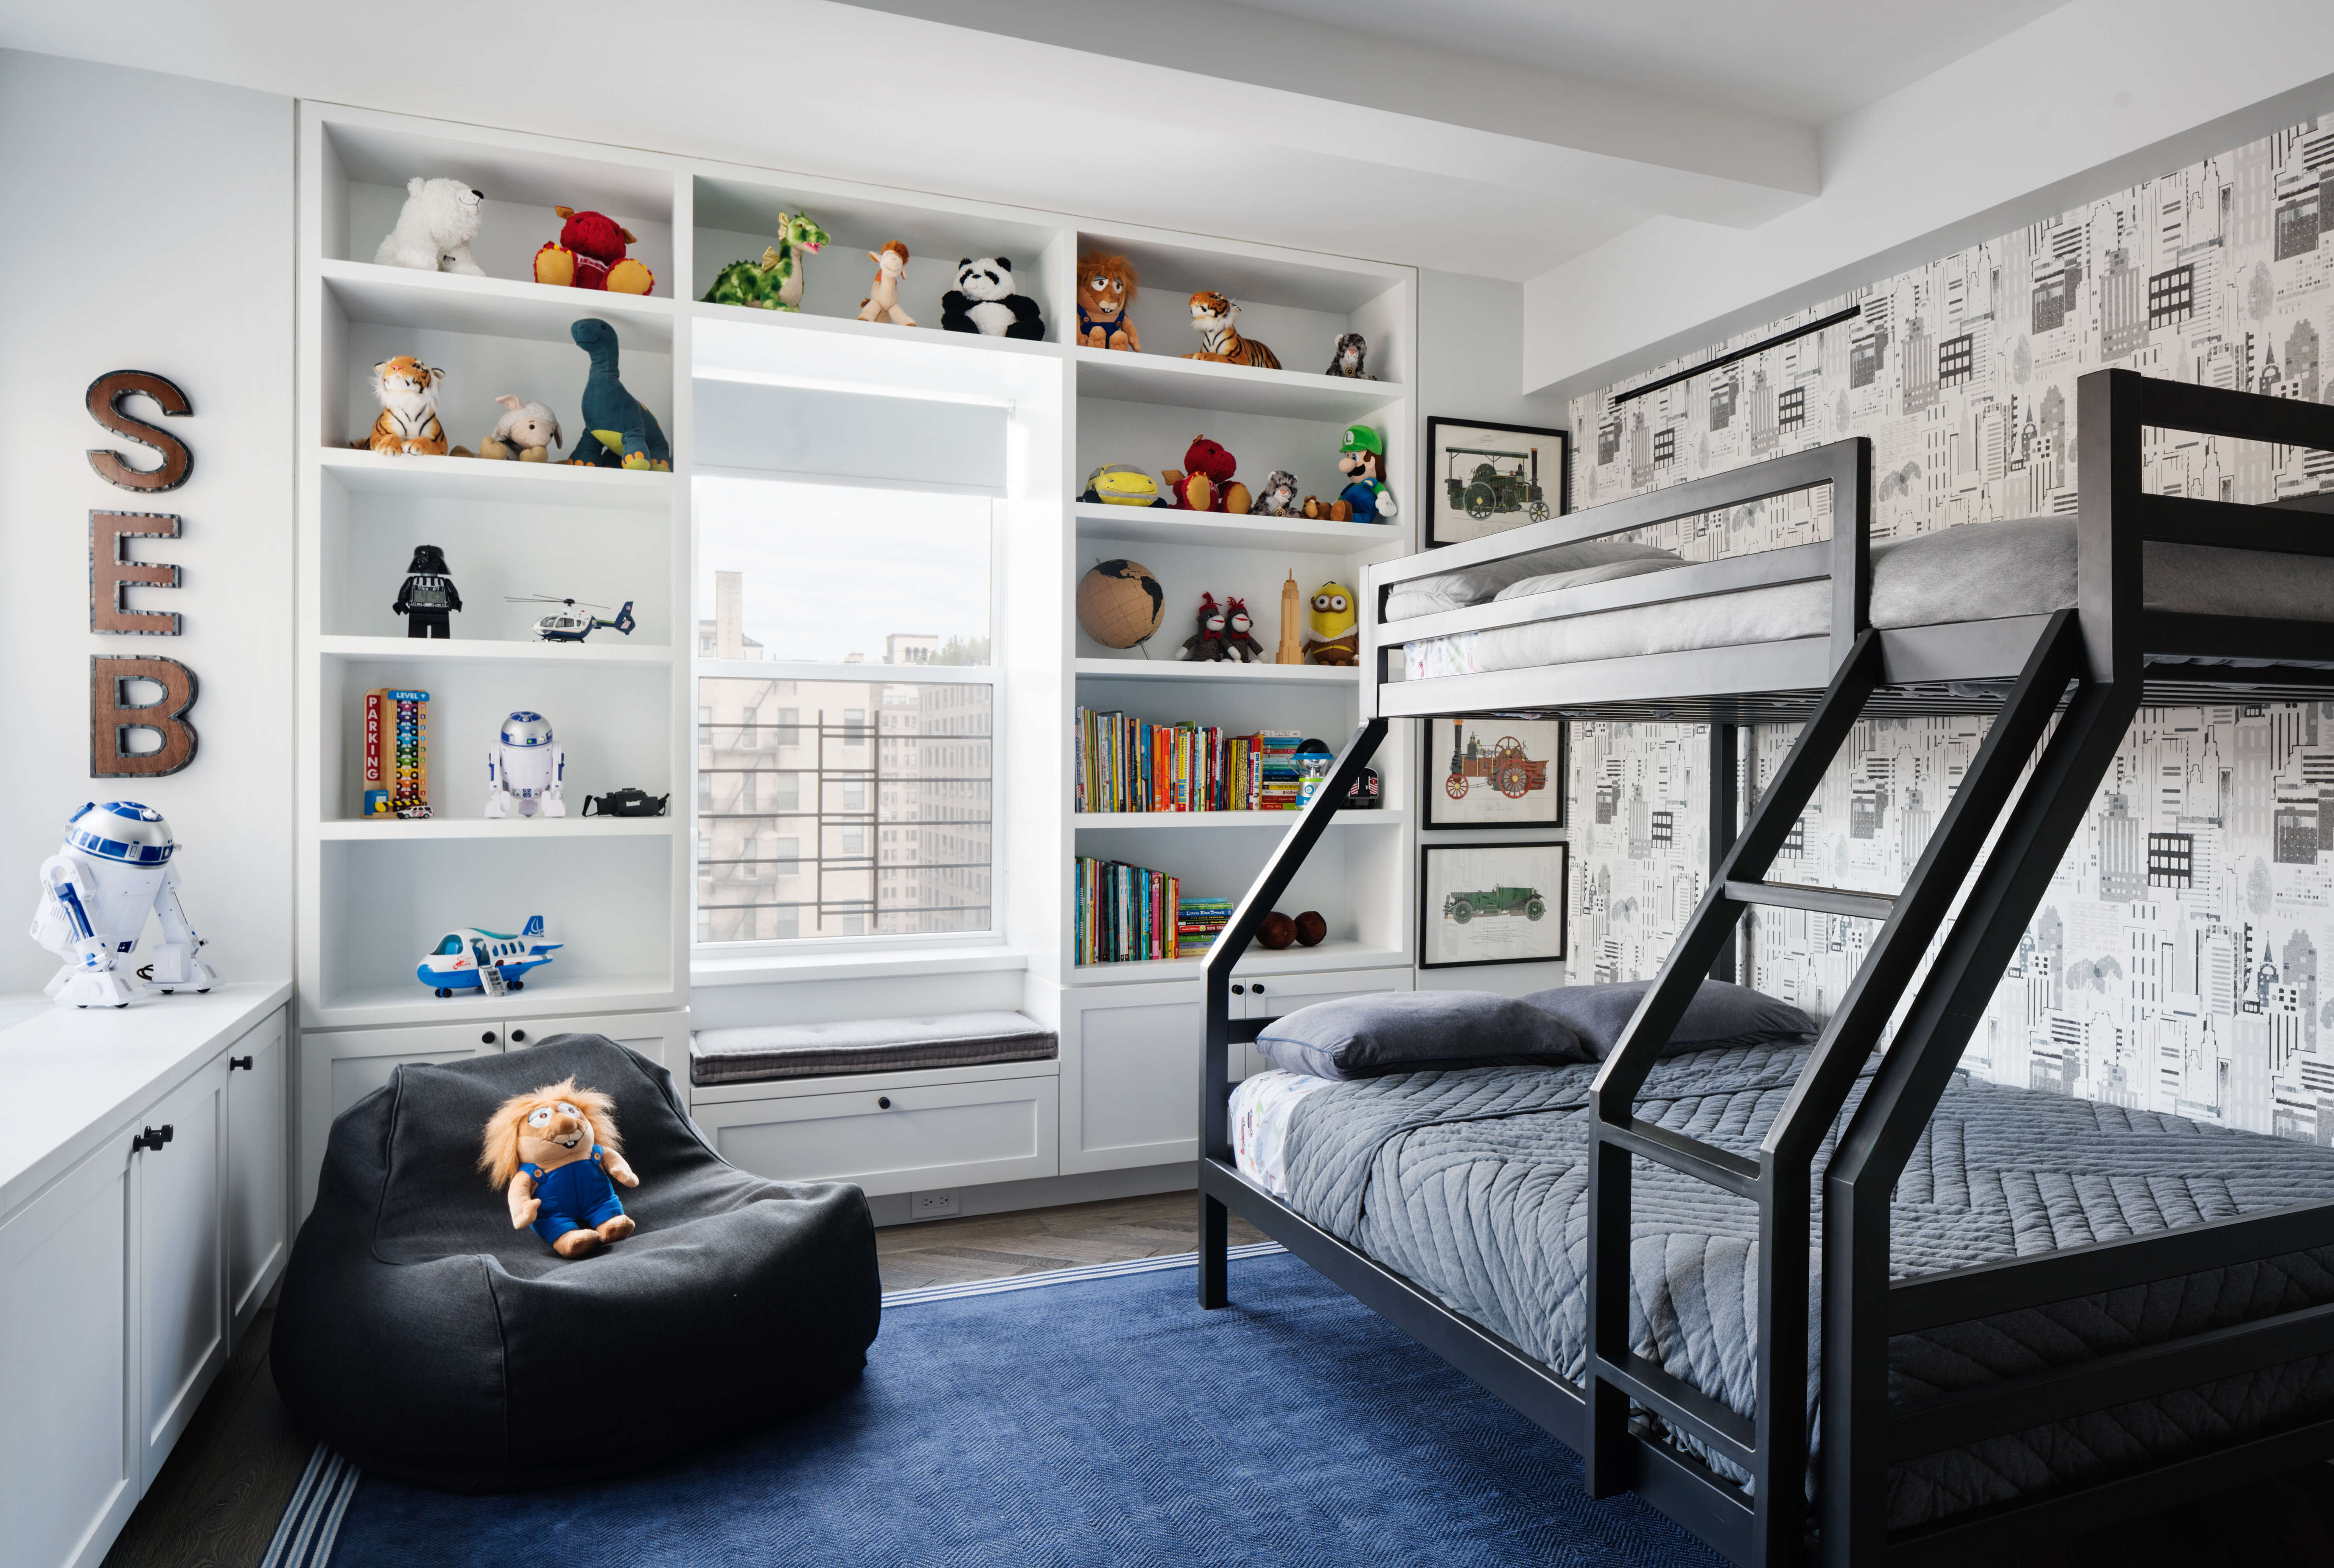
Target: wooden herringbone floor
[999, 1245]
[216, 1501]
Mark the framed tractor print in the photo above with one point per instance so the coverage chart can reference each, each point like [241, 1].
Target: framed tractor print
[1493, 772]
[1487, 478]
[1500, 903]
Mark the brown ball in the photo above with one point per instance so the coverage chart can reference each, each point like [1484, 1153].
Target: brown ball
[1278, 931]
[1310, 928]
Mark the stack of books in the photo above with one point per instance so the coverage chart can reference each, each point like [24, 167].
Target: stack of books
[1200, 921]
[1279, 783]
[1125, 914]
[1124, 763]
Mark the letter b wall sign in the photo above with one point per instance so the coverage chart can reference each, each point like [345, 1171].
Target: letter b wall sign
[113, 572]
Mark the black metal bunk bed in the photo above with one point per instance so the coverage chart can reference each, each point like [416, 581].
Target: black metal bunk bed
[2089, 667]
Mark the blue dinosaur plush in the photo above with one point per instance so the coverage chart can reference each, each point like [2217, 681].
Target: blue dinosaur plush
[627, 434]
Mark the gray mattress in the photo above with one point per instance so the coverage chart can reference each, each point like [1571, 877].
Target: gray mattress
[1473, 1185]
[1986, 571]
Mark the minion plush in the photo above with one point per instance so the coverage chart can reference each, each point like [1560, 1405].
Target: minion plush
[1362, 459]
[1331, 634]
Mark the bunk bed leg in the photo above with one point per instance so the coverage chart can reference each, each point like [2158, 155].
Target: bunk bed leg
[1606, 1464]
[1215, 1244]
[1724, 824]
[1779, 1511]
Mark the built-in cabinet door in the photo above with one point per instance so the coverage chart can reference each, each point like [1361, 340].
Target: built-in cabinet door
[1271, 996]
[178, 1194]
[258, 1206]
[662, 1037]
[339, 1067]
[1130, 1075]
[69, 1461]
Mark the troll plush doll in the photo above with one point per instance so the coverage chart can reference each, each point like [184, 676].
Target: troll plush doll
[557, 1153]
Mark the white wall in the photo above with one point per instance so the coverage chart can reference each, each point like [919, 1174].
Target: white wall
[2080, 88]
[1469, 366]
[152, 220]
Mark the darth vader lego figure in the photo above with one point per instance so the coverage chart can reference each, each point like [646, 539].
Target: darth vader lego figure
[429, 596]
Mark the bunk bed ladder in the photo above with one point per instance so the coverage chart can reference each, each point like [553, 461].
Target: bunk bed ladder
[1773, 1445]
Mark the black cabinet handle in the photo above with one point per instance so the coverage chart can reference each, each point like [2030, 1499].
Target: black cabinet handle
[1258, 987]
[882, 1102]
[234, 1061]
[1239, 990]
[153, 1137]
[487, 1038]
[518, 1037]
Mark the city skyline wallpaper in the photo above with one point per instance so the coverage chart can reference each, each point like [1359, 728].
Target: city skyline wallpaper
[2173, 964]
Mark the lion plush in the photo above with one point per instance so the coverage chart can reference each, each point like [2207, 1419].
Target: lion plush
[555, 1152]
[1106, 288]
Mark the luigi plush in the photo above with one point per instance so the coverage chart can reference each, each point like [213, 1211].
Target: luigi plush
[1362, 459]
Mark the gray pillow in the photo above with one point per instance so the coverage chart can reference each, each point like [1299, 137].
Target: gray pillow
[1477, 585]
[1406, 1031]
[1718, 1015]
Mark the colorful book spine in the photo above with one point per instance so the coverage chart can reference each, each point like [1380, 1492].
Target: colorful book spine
[1124, 763]
[1125, 914]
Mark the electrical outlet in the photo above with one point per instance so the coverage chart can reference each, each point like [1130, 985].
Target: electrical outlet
[938, 1204]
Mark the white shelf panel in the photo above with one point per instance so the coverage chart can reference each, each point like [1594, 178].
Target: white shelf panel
[1132, 378]
[1252, 674]
[490, 307]
[1146, 821]
[783, 321]
[1224, 531]
[478, 650]
[545, 994]
[378, 830]
[1333, 954]
[480, 479]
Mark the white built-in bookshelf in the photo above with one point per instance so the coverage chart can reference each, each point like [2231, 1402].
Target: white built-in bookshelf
[374, 893]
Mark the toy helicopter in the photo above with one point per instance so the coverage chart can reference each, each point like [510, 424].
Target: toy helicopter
[470, 960]
[566, 624]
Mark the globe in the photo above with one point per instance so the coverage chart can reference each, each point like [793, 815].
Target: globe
[1119, 602]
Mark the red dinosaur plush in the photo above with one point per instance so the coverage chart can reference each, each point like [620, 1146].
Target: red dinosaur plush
[589, 254]
[1205, 482]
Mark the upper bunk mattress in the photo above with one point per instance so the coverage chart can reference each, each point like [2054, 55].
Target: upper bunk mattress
[1474, 1185]
[1980, 571]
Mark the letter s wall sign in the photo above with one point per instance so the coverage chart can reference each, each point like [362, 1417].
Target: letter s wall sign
[113, 573]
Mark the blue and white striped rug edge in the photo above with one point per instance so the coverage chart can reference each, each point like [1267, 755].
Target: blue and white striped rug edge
[312, 1519]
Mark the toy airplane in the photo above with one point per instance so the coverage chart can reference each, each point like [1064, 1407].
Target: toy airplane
[470, 959]
[564, 624]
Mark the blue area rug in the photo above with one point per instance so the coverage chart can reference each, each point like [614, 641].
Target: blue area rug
[1093, 1416]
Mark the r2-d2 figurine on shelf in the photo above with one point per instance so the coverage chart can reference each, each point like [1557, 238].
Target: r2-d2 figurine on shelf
[95, 895]
[528, 767]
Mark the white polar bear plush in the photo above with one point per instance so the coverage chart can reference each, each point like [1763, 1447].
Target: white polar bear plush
[434, 232]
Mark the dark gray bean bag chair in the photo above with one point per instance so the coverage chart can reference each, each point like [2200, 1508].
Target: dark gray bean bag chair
[424, 1338]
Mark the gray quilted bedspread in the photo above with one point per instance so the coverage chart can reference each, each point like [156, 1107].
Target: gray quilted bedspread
[1474, 1185]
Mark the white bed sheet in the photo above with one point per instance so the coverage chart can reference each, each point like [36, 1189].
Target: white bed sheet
[1260, 1109]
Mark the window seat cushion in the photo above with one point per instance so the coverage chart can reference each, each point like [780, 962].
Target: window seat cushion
[767, 1053]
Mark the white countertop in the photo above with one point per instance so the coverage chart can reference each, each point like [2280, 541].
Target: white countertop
[68, 1076]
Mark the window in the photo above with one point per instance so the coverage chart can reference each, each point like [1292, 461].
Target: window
[2171, 296]
[1664, 447]
[1792, 409]
[1956, 359]
[846, 589]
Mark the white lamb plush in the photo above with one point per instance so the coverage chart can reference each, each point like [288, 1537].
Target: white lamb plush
[526, 432]
[434, 232]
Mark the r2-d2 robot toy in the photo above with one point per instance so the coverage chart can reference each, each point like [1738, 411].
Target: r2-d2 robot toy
[528, 767]
[95, 895]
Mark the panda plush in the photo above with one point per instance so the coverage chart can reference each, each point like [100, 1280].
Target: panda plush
[983, 300]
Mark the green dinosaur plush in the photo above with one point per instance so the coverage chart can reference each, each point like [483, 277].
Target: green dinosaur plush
[629, 436]
[775, 281]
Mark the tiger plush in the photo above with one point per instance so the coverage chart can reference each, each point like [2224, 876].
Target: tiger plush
[1211, 318]
[407, 425]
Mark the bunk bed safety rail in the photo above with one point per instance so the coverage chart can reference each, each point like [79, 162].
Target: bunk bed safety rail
[1846, 559]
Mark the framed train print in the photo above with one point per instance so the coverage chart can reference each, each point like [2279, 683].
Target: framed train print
[1498, 903]
[1486, 478]
[1493, 772]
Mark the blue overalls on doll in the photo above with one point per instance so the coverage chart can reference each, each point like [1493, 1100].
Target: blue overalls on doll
[574, 1197]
